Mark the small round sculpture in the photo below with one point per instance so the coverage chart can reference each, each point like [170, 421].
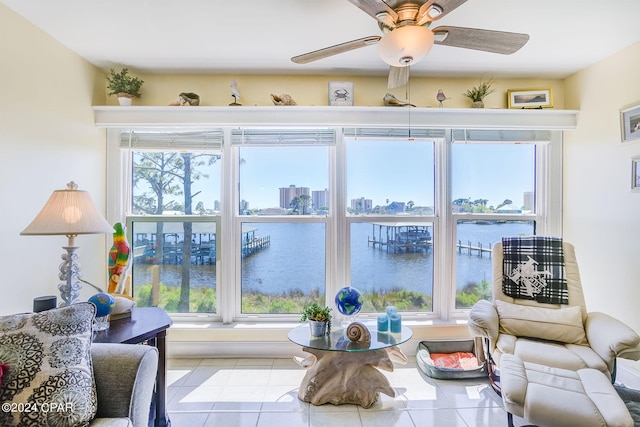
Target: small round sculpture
[357, 331]
[349, 301]
[105, 303]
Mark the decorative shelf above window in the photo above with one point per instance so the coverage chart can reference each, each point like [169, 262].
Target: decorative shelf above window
[450, 118]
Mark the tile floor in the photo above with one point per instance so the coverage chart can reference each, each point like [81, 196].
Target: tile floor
[263, 393]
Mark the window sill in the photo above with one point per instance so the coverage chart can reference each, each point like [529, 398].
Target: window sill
[269, 340]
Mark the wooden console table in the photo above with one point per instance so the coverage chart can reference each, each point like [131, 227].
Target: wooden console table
[146, 324]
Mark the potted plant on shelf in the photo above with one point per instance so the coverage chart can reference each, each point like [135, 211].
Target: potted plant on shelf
[478, 93]
[124, 85]
[319, 319]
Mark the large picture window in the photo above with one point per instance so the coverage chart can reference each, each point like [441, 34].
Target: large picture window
[240, 223]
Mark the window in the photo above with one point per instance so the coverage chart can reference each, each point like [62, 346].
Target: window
[174, 218]
[283, 181]
[493, 195]
[391, 181]
[241, 223]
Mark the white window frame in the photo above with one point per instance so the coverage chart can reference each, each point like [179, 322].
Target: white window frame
[548, 186]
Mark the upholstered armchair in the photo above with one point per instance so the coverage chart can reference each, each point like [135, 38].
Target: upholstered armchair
[125, 375]
[555, 335]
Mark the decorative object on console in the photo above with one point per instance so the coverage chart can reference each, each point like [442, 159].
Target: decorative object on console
[349, 302]
[68, 212]
[44, 303]
[124, 86]
[319, 319]
[477, 94]
[383, 323]
[186, 99]
[391, 101]
[341, 94]
[235, 92]
[118, 259]
[357, 331]
[283, 99]
[49, 358]
[395, 323]
[105, 303]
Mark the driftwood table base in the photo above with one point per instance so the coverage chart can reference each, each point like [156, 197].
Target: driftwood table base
[340, 377]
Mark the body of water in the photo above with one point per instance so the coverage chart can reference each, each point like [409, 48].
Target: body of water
[295, 260]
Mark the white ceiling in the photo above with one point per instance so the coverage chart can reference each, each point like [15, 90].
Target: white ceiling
[260, 37]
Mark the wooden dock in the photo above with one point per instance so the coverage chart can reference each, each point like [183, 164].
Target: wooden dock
[401, 238]
[477, 250]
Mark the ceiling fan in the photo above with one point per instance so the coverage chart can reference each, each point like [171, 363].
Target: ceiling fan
[407, 36]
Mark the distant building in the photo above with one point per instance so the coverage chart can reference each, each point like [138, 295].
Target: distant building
[361, 205]
[528, 201]
[320, 199]
[244, 205]
[287, 194]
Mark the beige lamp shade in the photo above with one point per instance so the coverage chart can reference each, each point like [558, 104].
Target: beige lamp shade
[405, 45]
[68, 212]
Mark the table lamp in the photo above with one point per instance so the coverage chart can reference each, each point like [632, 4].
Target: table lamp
[69, 212]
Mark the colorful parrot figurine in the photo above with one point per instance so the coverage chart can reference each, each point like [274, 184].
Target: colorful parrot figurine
[118, 257]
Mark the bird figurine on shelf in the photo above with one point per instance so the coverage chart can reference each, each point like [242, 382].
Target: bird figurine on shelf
[118, 258]
[391, 101]
[283, 99]
[441, 97]
[235, 93]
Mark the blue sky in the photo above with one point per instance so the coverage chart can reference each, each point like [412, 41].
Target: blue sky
[396, 170]
[380, 170]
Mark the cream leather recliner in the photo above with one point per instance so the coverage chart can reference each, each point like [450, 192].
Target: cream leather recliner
[554, 335]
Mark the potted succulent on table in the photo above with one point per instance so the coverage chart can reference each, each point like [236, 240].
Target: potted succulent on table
[478, 93]
[319, 319]
[124, 85]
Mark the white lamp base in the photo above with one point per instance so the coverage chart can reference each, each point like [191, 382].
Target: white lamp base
[70, 273]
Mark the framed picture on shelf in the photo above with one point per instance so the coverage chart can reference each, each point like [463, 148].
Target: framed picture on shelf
[530, 98]
[341, 93]
[635, 174]
[630, 123]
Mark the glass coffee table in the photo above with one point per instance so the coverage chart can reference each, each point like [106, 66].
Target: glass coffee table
[341, 371]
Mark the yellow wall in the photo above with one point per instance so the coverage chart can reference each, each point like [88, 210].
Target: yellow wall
[601, 214]
[159, 89]
[47, 139]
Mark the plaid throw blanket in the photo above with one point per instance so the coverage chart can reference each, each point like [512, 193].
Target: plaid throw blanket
[533, 268]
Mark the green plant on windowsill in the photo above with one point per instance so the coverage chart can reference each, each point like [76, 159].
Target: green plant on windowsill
[478, 93]
[123, 84]
[314, 312]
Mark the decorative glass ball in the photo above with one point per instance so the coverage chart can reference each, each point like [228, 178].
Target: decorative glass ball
[105, 303]
[349, 301]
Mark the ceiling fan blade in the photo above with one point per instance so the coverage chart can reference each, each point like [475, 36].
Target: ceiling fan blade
[334, 50]
[486, 40]
[374, 7]
[435, 9]
[398, 76]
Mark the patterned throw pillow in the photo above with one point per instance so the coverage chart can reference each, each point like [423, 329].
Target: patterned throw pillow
[50, 382]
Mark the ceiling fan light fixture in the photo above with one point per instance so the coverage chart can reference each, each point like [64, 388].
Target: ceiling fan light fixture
[405, 45]
[434, 11]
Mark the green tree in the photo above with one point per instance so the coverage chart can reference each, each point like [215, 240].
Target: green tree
[295, 204]
[168, 176]
[304, 203]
